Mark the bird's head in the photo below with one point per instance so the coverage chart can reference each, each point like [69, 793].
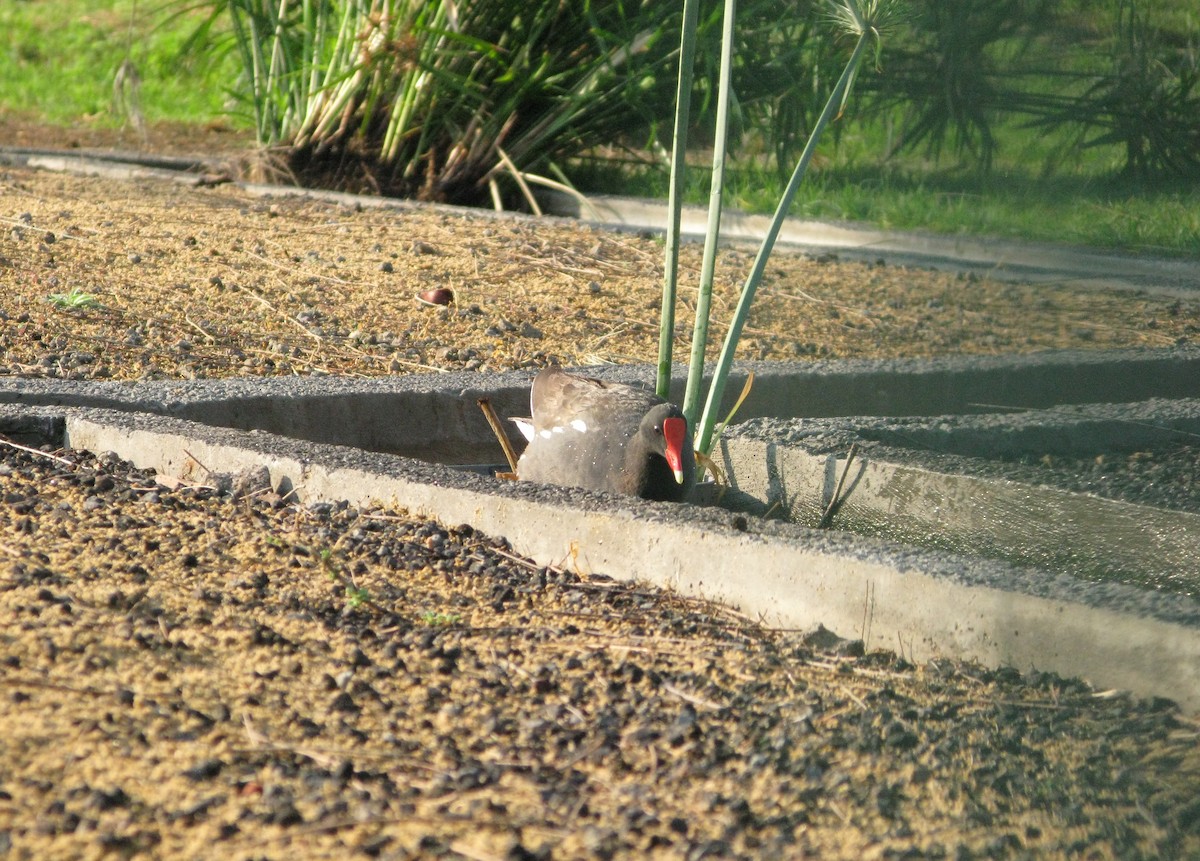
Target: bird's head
[668, 433]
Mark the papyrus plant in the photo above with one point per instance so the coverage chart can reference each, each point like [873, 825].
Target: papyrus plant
[862, 20]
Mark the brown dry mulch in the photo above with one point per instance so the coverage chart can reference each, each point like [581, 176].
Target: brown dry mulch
[188, 674]
[153, 279]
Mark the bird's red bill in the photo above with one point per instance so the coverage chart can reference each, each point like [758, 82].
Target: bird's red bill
[675, 432]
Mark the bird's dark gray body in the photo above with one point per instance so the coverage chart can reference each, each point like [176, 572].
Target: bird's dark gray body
[601, 436]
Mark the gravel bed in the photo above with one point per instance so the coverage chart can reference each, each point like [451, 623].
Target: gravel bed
[154, 280]
[1167, 476]
[191, 673]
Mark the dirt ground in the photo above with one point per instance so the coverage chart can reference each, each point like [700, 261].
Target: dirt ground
[190, 674]
[152, 280]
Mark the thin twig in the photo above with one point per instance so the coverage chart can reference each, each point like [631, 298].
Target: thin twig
[42, 684]
[275, 310]
[211, 338]
[489, 413]
[693, 698]
[835, 502]
[290, 269]
[198, 463]
[462, 848]
[802, 296]
[35, 451]
[370, 357]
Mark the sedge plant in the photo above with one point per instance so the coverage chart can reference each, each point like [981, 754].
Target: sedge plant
[864, 21]
[436, 99]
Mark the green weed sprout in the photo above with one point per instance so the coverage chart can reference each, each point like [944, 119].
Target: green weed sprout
[438, 619]
[357, 597]
[75, 300]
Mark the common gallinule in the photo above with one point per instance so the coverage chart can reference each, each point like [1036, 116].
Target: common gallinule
[605, 436]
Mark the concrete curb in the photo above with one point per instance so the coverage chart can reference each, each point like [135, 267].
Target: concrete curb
[996, 258]
[924, 602]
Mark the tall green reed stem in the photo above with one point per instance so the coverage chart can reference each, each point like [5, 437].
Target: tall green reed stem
[861, 18]
[725, 361]
[683, 93]
[691, 398]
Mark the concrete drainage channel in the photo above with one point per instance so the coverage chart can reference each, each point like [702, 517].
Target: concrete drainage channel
[395, 440]
[956, 483]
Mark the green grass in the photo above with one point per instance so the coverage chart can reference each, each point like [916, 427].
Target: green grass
[1085, 204]
[1098, 210]
[60, 58]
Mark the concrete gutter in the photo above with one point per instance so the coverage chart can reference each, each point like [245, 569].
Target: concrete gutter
[995, 258]
[924, 602]
[444, 423]
[926, 496]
